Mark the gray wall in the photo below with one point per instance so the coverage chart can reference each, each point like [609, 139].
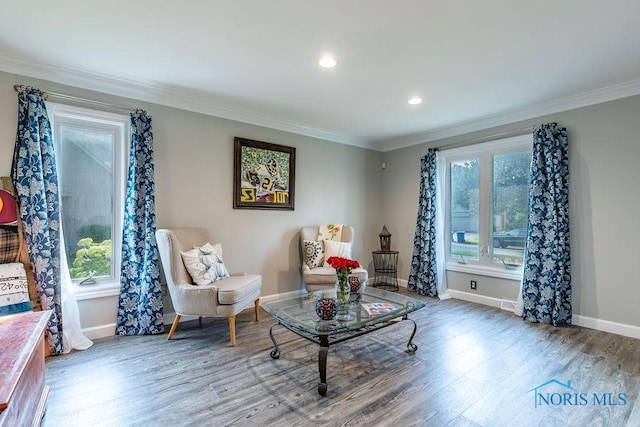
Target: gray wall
[604, 150]
[343, 184]
[194, 168]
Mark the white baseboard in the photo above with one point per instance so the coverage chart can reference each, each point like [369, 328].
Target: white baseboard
[168, 318]
[480, 299]
[606, 326]
[292, 294]
[101, 331]
[108, 330]
[578, 320]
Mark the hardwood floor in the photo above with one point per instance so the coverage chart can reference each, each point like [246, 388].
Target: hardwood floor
[475, 366]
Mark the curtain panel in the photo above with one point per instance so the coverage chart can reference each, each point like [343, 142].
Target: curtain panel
[423, 274]
[546, 284]
[140, 303]
[35, 181]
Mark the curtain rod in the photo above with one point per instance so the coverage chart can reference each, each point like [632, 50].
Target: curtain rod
[18, 88]
[507, 134]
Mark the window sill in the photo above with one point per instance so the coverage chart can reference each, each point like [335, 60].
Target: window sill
[485, 271]
[96, 291]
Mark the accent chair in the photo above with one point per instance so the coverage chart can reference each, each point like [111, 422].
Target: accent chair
[225, 296]
[316, 274]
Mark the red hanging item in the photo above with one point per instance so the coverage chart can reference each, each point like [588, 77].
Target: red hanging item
[8, 211]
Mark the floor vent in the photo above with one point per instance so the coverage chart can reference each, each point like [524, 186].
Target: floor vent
[508, 305]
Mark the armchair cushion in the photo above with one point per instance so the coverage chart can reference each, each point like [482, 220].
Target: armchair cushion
[321, 275]
[234, 289]
[313, 253]
[338, 249]
[204, 264]
[327, 275]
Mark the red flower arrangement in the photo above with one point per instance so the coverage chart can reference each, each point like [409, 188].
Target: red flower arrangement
[343, 266]
[342, 263]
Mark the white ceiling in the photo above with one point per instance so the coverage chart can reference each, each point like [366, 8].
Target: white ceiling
[475, 63]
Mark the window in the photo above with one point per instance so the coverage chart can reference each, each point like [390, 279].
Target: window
[91, 162]
[486, 204]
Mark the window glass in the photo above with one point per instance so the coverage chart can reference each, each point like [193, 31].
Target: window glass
[86, 188]
[90, 157]
[486, 199]
[464, 209]
[510, 207]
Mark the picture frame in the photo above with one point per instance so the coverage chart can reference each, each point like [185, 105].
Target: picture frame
[263, 175]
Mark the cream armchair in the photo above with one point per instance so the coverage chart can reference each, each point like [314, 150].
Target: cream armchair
[322, 277]
[223, 298]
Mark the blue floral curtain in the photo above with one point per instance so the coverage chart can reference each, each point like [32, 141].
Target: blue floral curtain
[423, 273]
[36, 183]
[140, 303]
[546, 285]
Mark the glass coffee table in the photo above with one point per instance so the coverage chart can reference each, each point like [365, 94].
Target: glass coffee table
[368, 311]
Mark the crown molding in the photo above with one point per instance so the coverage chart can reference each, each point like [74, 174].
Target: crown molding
[162, 95]
[206, 104]
[597, 96]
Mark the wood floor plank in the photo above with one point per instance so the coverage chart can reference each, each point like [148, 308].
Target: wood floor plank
[475, 366]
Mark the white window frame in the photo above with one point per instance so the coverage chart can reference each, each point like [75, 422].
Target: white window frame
[485, 266]
[61, 114]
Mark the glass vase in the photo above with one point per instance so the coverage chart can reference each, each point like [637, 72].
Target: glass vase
[354, 286]
[343, 290]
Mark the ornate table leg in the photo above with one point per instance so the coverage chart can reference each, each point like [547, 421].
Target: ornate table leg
[275, 353]
[322, 365]
[411, 347]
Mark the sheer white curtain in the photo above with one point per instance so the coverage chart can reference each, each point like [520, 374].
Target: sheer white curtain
[443, 291]
[519, 309]
[72, 336]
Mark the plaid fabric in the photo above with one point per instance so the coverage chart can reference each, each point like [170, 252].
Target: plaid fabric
[9, 244]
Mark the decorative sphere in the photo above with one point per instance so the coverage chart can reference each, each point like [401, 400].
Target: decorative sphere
[354, 284]
[326, 308]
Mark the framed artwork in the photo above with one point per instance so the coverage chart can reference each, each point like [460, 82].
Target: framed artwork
[263, 175]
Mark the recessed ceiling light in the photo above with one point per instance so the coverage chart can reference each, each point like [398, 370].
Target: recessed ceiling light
[415, 100]
[327, 62]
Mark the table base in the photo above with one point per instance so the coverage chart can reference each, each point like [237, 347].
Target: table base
[324, 341]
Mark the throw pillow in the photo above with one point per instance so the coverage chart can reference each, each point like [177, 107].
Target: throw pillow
[216, 246]
[330, 232]
[339, 249]
[204, 265]
[313, 253]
